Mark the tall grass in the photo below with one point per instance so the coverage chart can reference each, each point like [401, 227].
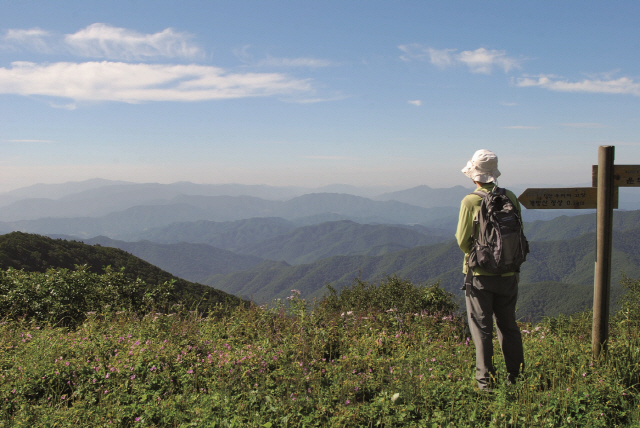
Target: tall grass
[306, 366]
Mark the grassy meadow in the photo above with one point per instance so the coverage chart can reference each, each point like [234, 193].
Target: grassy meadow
[334, 363]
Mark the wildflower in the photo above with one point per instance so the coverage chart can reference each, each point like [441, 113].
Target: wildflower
[133, 377]
[347, 402]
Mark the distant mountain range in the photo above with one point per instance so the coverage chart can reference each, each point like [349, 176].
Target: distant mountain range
[126, 210]
[133, 220]
[260, 242]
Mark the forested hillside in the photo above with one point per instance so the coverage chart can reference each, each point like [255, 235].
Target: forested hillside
[35, 253]
[565, 227]
[185, 260]
[554, 267]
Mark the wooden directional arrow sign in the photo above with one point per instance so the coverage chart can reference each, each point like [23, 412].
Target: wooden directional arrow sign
[562, 198]
[623, 175]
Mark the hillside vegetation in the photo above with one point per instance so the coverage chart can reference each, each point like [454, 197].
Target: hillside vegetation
[553, 268]
[366, 357]
[34, 253]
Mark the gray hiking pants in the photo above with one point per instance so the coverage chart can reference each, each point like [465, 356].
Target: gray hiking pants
[494, 298]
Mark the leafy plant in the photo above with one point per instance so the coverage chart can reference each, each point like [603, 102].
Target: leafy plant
[62, 296]
[392, 293]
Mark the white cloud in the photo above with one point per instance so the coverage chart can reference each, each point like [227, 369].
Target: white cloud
[104, 41]
[441, 58]
[134, 83]
[623, 85]
[481, 60]
[32, 39]
[416, 103]
[521, 127]
[413, 51]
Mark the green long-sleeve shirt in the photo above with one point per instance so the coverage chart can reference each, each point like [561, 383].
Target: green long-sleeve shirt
[469, 207]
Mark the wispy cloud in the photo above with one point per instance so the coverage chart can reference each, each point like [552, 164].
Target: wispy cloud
[294, 62]
[326, 157]
[585, 125]
[314, 100]
[134, 83]
[105, 41]
[481, 60]
[416, 103]
[622, 85]
[521, 127]
[244, 55]
[126, 73]
[33, 39]
[27, 141]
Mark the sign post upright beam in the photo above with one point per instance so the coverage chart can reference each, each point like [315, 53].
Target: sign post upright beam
[602, 277]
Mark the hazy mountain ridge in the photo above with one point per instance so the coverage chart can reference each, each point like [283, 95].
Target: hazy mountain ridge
[192, 262]
[427, 197]
[195, 261]
[229, 235]
[185, 208]
[335, 252]
[310, 243]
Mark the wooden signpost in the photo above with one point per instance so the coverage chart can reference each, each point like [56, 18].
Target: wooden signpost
[603, 196]
[623, 175]
[561, 198]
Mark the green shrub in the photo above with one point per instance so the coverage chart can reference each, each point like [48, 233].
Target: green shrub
[630, 301]
[392, 293]
[62, 296]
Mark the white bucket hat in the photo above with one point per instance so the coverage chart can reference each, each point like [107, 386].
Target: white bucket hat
[483, 167]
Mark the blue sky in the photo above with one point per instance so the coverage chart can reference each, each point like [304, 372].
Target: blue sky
[310, 93]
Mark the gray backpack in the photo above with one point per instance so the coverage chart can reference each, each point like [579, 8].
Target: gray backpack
[499, 242]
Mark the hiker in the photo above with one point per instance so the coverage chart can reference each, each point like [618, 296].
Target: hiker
[489, 296]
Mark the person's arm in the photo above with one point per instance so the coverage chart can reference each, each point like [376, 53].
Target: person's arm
[465, 227]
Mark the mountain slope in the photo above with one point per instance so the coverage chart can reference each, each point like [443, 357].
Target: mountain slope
[192, 262]
[230, 235]
[310, 243]
[567, 262]
[37, 253]
[427, 197]
[565, 227]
